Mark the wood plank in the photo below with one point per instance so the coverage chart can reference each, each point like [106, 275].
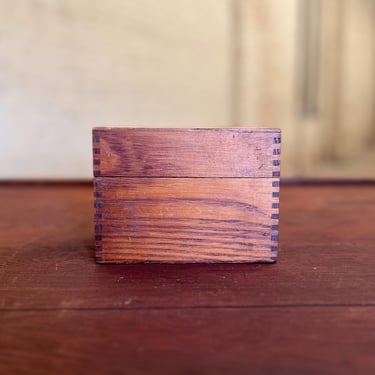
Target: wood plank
[305, 340]
[47, 256]
[186, 152]
[186, 220]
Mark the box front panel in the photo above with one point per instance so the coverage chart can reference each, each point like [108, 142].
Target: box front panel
[176, 220]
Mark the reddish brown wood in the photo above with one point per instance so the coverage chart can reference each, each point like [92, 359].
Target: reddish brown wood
[313, 311]
[186, 220]
[186, 195]
[333, 340]
[137, 152]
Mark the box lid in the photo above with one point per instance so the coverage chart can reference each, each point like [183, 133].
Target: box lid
[163, 152]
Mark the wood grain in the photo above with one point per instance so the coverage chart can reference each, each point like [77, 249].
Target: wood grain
[186, 195]
[46, 244]
[304, 340]
[186, 152]
[311, 312]
[179, 220]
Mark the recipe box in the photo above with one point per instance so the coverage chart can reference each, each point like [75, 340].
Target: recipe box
[186, 195]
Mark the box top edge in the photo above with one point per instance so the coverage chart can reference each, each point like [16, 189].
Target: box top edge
[242, 129]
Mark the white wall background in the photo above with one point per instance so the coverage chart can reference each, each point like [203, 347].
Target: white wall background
[305, 66]
[67, 66]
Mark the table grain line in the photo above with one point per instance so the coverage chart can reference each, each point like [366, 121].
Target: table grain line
[192, 307]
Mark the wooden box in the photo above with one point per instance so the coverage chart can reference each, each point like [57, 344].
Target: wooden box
[186, 195]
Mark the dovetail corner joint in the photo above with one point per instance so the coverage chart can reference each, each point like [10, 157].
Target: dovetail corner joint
[98, 218]
[96, 153]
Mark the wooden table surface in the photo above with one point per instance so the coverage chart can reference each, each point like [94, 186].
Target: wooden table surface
[311, 312]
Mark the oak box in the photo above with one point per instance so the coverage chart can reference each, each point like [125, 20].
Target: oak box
[186, 195]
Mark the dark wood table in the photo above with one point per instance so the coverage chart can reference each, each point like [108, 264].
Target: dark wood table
[311, 312]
